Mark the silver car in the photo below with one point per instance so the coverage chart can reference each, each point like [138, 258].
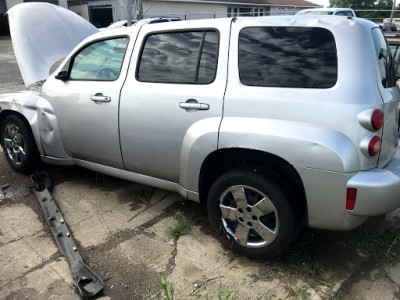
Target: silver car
[271, 122]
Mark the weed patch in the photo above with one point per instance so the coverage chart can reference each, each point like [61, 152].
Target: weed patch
[180, 228]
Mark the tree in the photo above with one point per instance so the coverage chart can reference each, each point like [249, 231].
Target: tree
[381, 8]
[354, 4]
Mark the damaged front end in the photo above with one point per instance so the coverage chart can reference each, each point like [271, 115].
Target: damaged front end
[42, 35]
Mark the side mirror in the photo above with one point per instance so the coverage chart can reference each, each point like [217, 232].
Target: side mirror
[382, 54]
[62, 75]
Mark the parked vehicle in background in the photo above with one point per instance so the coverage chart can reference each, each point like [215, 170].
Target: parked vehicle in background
[347, 12]
[394, 44]
[118, 24]
[156, 20]
[385, 26]
[265, 120]
[124, 23]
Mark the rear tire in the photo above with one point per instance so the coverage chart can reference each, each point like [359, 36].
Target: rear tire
[18, 144]
[255, 212]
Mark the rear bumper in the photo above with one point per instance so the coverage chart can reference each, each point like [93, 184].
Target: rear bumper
[378, 191]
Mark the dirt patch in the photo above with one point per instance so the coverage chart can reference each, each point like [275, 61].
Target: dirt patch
[137, 196]
[23, 294]
[20, 189]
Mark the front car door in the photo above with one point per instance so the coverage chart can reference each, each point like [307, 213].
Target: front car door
[176, 82]
[86, 102]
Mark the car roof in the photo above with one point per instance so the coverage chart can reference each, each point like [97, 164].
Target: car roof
[292, 20]
[334, 9]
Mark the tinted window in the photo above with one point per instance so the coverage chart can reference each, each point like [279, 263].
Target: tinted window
[384, 58]
[287, 57]
[316, 13]
[99, 61]
[179, 57]
[347, 13]
[395, 49]
[159, 21]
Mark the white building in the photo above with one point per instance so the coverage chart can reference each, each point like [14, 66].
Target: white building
[103, 12]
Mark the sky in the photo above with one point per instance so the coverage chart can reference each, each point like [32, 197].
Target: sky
[321, 2]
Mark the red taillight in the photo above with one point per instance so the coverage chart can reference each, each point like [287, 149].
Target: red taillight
[351, 198]
[377, 119]
[374, 146]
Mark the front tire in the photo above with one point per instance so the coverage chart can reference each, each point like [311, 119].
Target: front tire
[18, 144]
[255, 211]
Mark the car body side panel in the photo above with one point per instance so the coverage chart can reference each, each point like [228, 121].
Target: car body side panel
[40, 115]
[326, 203]
[154, 127]
[86, 126]
[329, 149]
[336, 107]
[200, 140]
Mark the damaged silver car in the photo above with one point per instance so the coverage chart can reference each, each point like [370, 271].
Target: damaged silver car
[271, 122]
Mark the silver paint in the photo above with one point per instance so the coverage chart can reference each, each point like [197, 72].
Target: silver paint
[143, 134]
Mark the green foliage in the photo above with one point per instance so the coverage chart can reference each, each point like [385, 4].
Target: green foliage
[382, 246]
[227, 295]
[354, 4]
[377, 15]
[168, 293]
[182, 227]
[300, 293]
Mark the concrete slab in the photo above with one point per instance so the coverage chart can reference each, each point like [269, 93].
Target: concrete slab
[52, 281]
[94, 214]
[394, 273]
[18, 221]
[19, 257]
[372, 290]
[22, 238]
[202, 265]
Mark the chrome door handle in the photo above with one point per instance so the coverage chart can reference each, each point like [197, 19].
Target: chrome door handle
[100, 98]
[192, 104]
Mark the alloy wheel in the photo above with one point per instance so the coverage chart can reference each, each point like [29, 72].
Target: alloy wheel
[14, 143]
[249, 216]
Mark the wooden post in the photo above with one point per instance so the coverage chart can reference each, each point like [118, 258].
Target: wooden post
[129, 12]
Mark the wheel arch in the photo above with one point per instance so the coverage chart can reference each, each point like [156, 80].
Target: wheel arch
[223, 160]
[8, 112]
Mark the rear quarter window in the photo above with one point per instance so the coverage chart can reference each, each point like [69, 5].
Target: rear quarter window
[292, 57]
[383, 55]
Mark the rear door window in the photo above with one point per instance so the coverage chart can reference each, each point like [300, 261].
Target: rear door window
[179, 57]
[292, 57]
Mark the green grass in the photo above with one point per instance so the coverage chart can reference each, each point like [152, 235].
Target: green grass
[382, 246]
[181, 227]
[228, 294]
[167, 293]
[300, 293]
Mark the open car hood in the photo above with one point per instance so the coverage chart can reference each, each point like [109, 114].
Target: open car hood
[42, 34]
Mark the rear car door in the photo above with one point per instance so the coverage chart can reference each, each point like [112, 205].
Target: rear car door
[177, 79]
